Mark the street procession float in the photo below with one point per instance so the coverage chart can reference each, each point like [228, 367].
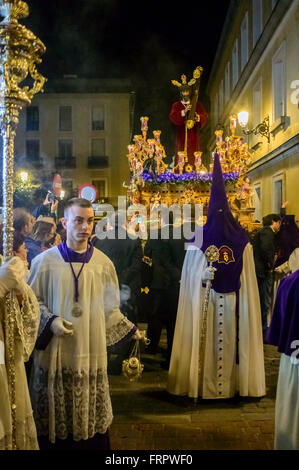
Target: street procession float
[153, 182]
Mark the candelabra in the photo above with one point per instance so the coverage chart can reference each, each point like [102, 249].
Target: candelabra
[20, 51]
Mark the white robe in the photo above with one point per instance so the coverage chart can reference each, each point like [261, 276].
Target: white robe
[287, 405]
[69, 388]
[222, 377]
[27, 322]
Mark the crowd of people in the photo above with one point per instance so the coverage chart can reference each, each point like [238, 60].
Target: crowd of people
[78, 300]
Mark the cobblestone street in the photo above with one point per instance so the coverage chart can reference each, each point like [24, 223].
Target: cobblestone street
[146, 417]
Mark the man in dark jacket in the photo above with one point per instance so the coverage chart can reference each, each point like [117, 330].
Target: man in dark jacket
[126, 254]
[264, 246]
[167, 254]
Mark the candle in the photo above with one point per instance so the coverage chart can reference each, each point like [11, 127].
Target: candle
[144, 120]
[218, 134]
[157, 135]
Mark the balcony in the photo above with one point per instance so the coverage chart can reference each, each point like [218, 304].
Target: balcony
[69, 162]
[33, 162]
[98, 162]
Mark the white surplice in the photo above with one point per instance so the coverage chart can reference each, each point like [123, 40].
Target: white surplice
[222, 376]
[27, 323]
[69, 388]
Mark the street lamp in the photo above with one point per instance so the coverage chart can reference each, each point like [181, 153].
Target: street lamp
[263, 128]
[24, 176]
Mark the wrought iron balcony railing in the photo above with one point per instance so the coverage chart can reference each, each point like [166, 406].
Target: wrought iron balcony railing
[69, 162]
[98, 162]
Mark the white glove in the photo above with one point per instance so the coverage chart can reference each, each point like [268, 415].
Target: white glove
[140, 335]
[283, 268]
[137, 335]
[61, 327]
[208, 274]
[12, 276]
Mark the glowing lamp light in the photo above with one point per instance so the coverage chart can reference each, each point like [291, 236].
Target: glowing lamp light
[243, 118]
[24, 176]
[62, 194]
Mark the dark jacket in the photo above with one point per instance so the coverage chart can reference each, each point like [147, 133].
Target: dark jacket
[126, 255]
[176, 247]
[43, 210]
[167, 259]
[34, 248]
[264, 246]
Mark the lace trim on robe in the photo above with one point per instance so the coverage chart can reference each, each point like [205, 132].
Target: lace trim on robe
[73, 402]
[117, 332]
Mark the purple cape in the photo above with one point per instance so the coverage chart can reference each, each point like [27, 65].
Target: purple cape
[287, 239]
[284, 327]
[223, 231]
[72, 256]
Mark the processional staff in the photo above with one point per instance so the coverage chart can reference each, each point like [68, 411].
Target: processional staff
[20, 50]
[212, 255]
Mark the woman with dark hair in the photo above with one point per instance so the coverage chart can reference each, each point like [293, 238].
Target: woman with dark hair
[44, 230]
[19, 247]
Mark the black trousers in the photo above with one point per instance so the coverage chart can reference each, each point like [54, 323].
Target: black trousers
[265, 286]
[162, 313]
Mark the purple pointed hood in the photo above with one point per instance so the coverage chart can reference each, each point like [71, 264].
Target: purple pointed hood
[287, 239]
[284, 328]
[223, 231]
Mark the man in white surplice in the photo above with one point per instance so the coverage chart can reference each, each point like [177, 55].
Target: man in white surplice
[77, 288]
[234, 357]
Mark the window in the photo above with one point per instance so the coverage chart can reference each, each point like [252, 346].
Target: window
[65, 118]
[257, 103]
[257, 26]
[257, 200]
[244, 42]
[97, 118]
[32, 118]
[227, 83]
[32, 150]
[97, 147]
[279, 84]
[235, 63]
[101, 187]
[65, 149]
[277, 196]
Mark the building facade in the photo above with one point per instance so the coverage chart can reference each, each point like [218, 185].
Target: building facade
[79, 128]
[256, 69]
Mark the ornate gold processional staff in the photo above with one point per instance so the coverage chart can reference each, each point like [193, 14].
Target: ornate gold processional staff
[20, 51]
[212, 255]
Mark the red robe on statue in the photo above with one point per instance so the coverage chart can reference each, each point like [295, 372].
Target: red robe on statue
[192, 134]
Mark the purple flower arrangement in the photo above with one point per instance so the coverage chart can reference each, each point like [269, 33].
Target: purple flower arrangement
[192, 177]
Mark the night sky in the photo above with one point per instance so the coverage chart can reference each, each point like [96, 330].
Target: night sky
[149, 42]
